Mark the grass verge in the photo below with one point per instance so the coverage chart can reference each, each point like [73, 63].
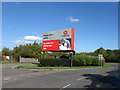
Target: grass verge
[36, 66]
[113, 62]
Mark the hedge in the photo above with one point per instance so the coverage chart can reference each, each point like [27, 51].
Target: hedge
[78, 60]
[87, 60]
[55, 62]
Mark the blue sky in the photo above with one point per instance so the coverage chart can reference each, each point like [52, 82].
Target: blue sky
[94, 23]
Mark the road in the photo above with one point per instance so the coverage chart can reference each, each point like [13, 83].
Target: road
[61, 79]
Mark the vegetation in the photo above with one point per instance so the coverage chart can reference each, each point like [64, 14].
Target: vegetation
[6, 51]
[7, 61]
[27, 51]
[60, 58]
[0, 53]
[36, 66]
[109, 55]
[78, 60]
[87, 60]
[55, 62]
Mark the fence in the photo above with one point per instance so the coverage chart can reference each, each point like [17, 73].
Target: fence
[26, 60]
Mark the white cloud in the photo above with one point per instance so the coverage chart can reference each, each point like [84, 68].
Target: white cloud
[32, 38]
[22, 42]
[26, 39]
[71, 19]
[1, 46]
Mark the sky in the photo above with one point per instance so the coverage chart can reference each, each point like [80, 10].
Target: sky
[95, 23]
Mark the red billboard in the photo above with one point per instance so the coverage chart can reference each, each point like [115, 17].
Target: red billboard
[59, 40]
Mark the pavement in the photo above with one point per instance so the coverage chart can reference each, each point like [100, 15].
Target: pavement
[60, 79]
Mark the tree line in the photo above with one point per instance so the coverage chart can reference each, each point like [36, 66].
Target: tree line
[35, 51]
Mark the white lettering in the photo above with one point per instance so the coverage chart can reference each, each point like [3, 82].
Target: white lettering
[48, 43]
[47, 46]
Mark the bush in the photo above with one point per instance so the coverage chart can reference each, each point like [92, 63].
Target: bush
[55, 62]
[64, 57]
[86, 60]
[78, 60]
[112, 58]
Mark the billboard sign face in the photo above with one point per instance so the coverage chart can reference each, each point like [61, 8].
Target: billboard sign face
[59, 40]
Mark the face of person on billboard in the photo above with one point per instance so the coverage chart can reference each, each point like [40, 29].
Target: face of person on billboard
[64, 44]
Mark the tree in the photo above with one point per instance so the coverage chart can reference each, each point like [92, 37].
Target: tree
[6, 51]
[113, 55]
[28, 50]
[100, 51]
[0, 53]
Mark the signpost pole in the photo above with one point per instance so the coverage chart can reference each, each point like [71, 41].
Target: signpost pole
[71, 57]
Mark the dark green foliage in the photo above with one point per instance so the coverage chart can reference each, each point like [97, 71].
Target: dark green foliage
[6, 51]
[27, 51]
[109, 55]
[113, 56]
[101, 51]
[55, 62]
[64, 57]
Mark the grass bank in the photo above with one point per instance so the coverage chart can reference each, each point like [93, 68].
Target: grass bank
[37, 67]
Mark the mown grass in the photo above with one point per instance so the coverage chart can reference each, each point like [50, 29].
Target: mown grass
[113, 62]
[36, 66]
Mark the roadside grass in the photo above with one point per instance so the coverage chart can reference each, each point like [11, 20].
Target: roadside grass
[36, 66]
[113, 62]
[106, 65]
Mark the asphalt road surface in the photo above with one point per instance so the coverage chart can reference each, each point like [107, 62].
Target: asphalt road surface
[61, 79]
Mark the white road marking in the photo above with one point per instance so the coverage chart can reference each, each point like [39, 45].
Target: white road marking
[80, 78]
[97, 85]
[8, 78]
[65, 86]
[105, 74]
[14, 66]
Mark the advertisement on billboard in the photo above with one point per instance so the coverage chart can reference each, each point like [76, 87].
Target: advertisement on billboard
[59, 40]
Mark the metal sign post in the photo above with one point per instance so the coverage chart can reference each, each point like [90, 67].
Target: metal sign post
[71, 59]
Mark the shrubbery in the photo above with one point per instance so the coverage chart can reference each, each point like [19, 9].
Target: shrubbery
[78, 60]
[109, 55]
[86, 60]
[64, 57]
[112, 58]
[55, 62]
